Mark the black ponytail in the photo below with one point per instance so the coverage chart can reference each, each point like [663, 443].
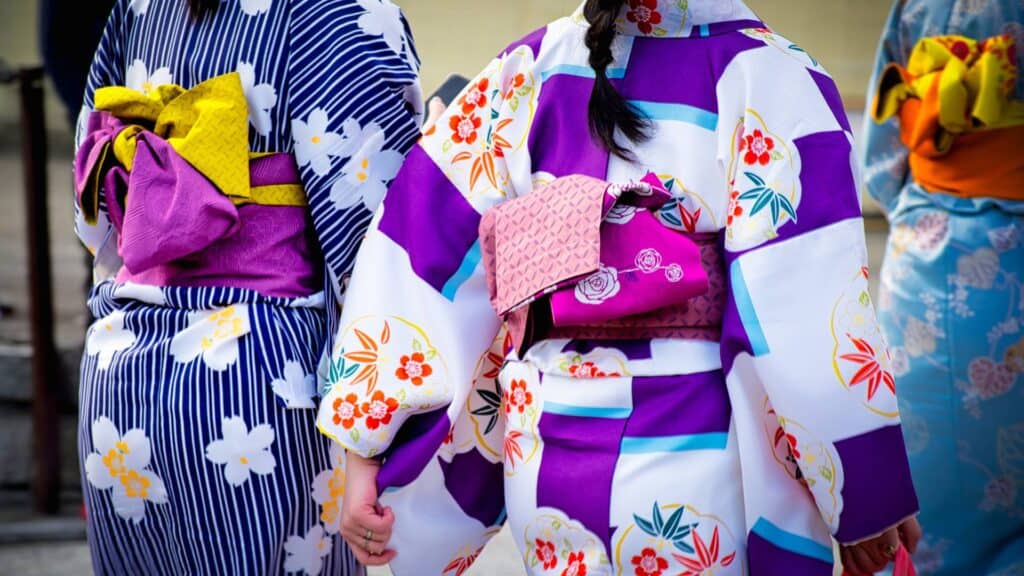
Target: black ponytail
[201, 8]
[608, 110]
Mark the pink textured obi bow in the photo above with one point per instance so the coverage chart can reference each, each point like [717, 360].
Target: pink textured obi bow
[584, 258]
[177, 228]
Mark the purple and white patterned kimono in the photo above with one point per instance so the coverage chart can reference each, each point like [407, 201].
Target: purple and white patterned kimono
[745, 454]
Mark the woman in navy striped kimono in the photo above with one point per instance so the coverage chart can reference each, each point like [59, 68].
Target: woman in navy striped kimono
[230, 156]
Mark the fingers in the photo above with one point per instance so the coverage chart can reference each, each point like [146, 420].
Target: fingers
[859, 562]
[435, 109]
[367, 558]
[910, 534]
[851, 566]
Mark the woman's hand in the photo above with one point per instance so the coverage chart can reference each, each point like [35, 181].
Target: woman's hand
[364, 524]
[435, 108]
[873, 555]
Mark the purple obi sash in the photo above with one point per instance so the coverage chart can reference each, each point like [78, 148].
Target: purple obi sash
[580, 258]
[177, 228]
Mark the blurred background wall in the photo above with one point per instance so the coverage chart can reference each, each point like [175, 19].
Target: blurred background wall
[462, 35]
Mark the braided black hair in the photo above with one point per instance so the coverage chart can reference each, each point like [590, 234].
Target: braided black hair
[608, 109]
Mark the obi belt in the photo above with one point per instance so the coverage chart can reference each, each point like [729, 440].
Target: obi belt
[582, 258]
[191, 205]
[957, 115]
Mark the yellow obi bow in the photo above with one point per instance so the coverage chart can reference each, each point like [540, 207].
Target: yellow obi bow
[207, 125]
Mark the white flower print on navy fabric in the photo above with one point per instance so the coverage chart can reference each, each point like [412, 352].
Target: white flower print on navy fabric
[243, 452]
[139, 78]
[306, 554]
[329, 490]
[260, 97]
[139, 7]
[315, 146]
[295, 387]
[107, 337]
[212, 336]
[120, 464]
[383, 18]
[255, 7]
[365, 176]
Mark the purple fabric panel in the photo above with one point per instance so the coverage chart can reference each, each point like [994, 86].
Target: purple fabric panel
[767, 559]
[477, 485]
[430, 219]
[689, 80]
[533, 40]
[561, 142]
[633, 349]
[831, 94]
[577, 467]
[679, 405]
[273, 169]
[878, 490]
[717, 28]
[271, 253]
[412, 448]
[734, 336]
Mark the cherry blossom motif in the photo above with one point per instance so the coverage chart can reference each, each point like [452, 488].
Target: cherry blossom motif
[475, 97]
[379, 410]
[315, 145]
[260, 98]
[644, 13]
[121, 464]
[295, 387]
[306, 553]
[464, 128]
[546, 554]
[510, 84]
[346, 411]
[870, 371]
[414, 368]
[384, 19]
[589, 370]
[243, 452]
[255, 7]
[213, 336]
[138, 77]
[139, 7]
[649, 563]
[107, 337]
[757, 148]
[329, 490]
[518, 397]
[706, 556]
[366, 175]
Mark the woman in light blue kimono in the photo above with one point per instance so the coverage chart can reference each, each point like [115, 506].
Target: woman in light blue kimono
[951, 300]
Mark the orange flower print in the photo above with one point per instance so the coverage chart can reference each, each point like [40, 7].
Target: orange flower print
[577, 564]
[870, 370]
[707, 556]
[518, 397]
[475, 98]
[464, 128]
[758, 148]
[414, 369]
[346, 411]
[379, 409]
[589, 370]
[644, 13]
[735, 209]
[511, 84]
[648, 563]
[546, 554]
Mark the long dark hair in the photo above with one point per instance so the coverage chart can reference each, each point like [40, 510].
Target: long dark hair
[608, 110]
[201, 8]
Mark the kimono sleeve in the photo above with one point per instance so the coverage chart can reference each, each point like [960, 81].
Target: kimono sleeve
[417, 318]
[354, 103]
[885, 157]
[107, 69]
[800, 338]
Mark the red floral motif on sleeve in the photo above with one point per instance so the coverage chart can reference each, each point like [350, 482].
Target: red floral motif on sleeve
[546, 554]
[346, 411]
[577, 565]
[414, 369]
[757, 147]
[518, 397]
[475, 98]
[511, 84]
[464, 128]
[644, 13]
[648, 563]
[590, 370]
[379, 409]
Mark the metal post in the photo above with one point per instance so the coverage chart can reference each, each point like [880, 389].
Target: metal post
[45, 417]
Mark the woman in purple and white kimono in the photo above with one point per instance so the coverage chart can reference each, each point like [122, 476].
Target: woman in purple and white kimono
[692, 379]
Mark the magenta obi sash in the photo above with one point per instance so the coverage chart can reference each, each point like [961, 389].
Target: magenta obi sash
[582, 258]
[180, 226]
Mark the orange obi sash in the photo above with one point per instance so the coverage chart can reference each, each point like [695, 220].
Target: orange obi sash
[957, 116]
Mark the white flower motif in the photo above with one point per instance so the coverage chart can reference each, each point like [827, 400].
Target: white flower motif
[329, 490]
[255, 7]
[214, 336]
[108, 336]
[139, 7]
[138, 77]
[599, 286]
[383, 18]
[295, 387]
[648, 260]
[366, 175]
[243, 452]
[979, 269]
[306, 554]
[260, 97]
[120, 464]
[674, 273]
[314, 145]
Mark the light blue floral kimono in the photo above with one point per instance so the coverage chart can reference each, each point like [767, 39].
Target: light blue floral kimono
[952, 308]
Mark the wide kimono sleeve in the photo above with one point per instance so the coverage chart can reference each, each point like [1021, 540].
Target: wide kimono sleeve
[355, 107]
[417, 319]
[885, 157]
[803, 352]
[108, 69]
